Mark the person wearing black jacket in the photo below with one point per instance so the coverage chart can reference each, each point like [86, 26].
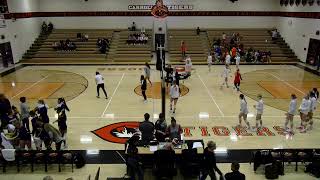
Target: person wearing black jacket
[160, 127]
[235, 174]
[209, 162]
[143, 82]
[133, 159]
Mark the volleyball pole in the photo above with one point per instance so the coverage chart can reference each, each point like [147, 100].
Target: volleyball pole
[163, 83]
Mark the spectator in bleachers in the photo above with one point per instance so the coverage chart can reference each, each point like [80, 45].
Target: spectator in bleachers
[133, 26]
[275, 34]
[256, 56]
[62, 45]
[71, 46]
[143, 30]
[79, 36]
[237, 38]
[218, 53]
[198, 31]
[268, 54]
[224, 38]
[50, 27]
[137, 38]
[241, 50]
[55, 46]
[85, 37]
[183, 49]
[44, 27]
[233, 54]
[235, 174]
[103, 44]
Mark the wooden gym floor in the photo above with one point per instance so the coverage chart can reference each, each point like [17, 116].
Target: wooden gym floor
[205, 111]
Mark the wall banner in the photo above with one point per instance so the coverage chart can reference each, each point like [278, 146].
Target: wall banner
[170, 7]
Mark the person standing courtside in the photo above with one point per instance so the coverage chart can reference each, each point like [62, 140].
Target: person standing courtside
[100, 84]
[24, 110]
[209, 165]
[290, 114]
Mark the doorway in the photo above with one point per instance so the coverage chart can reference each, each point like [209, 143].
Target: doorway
[6, 58]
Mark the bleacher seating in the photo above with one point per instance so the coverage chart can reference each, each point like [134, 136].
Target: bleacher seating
[197, 46]
[86, 52]
[121, 52]
[256, 38]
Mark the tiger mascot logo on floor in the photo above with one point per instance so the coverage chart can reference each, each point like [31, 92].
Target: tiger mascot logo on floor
[117, 132]
[122, 131]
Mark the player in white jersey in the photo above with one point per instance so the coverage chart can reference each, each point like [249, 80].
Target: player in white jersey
[304, 111]
[238, 58]
[225, 74]
[209, 60]
[174, 96]
[259, 107]
[228, 59]
[243, 111]
[290, 114]
[313, 107]
[100, 84]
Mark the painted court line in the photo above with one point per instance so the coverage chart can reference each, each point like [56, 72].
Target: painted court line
[209, 93]
[29, 87]
[286, 83]
[182, 117]
[114, 92]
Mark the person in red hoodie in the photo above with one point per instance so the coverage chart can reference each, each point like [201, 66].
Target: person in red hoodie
[237, 79]
[183, 49]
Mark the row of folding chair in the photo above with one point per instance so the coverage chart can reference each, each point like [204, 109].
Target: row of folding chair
[22, 158]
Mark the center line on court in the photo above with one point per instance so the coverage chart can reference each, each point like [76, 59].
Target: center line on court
[30, 86]
[179, 117]
[286, 83]
[209, 93]
[114, 92]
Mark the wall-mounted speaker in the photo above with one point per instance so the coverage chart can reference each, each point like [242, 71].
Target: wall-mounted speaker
[3, 37]
[318, 33]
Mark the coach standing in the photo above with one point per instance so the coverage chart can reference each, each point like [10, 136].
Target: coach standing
[100, 84]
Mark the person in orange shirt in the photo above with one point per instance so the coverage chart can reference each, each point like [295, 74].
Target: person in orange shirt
[233, 53]
[183, 49]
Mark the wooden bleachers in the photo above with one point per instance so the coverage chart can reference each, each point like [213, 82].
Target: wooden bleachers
[256, 38]
[197, 46]
[86, 52]
[121, 52]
